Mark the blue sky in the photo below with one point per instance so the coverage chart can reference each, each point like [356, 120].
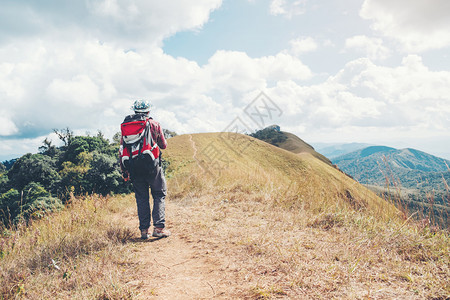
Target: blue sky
[369, 71]
[250, 27]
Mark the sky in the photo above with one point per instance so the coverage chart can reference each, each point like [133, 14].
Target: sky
[329, 71]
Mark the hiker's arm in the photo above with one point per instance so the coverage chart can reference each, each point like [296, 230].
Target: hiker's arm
[161, 140]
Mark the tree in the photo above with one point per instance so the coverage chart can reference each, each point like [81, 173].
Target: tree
[270, 135]
[80, 144]
[104, 175]
[65, 135]
[48, 149]
[9, 163]
[36, 202]
[9, 206]
[168, 133]
[33, 167]
[73, 175]
[4, 183]
[116, 138]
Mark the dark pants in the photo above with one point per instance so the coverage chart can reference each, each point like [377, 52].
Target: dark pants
[157, 183]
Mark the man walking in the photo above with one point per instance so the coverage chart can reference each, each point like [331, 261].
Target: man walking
[142, 139]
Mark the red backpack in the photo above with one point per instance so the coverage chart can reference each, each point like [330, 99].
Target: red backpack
[139, 152]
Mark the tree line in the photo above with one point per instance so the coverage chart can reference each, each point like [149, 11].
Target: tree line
[35, 184]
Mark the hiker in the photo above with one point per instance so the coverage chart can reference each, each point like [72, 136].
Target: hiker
[140, 161]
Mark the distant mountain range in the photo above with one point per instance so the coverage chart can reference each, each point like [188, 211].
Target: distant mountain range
[413, 171]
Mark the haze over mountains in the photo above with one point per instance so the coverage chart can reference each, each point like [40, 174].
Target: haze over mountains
[332, 150]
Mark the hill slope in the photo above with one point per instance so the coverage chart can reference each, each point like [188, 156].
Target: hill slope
[293, 219]
[287, 141]
[249, 221]
[296, 145]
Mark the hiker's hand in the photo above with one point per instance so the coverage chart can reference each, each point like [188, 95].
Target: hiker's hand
[125, 176]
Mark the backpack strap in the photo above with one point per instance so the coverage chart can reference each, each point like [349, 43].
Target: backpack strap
[153, 143]
[146, 132]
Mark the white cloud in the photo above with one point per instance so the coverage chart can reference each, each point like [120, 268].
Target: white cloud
[417, 24]
[88, 85]
[86, 78]
[372, 47]
[8, 127]
[287, 8]
[79, 91]
[302, 45]
[128, 23]
[402, 105]
[237, 71]
[154, 19]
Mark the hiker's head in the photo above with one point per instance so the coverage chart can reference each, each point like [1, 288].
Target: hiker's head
[141, 106]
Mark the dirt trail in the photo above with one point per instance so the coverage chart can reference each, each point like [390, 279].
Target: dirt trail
[179, 267]
[188, 264]
[193, 146]
[194, 155]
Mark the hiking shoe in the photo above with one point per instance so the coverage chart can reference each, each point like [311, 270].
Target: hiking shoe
[144, 234]
[161, 232]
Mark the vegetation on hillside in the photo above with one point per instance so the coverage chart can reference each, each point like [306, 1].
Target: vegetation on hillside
[270, 135]
[42, 182]
[76, 253]
[38, 183]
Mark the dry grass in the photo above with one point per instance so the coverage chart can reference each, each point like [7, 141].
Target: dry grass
[274, 224]
[297, 228]
[79, 253]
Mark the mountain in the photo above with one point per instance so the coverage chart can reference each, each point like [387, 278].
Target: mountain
[415, 172]
[367, 164]
[287, 141]
[334, 150]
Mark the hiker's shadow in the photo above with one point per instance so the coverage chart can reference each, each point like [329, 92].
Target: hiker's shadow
[149, 240]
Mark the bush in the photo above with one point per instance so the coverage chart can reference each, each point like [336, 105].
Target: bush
[104, 174]
[33, 202]
[270, 135]
[33, 168]
[87, 144]
[9, 206]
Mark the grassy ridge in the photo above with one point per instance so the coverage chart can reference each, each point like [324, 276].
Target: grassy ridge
[263, 166]
[283, 225]
[321, 233]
